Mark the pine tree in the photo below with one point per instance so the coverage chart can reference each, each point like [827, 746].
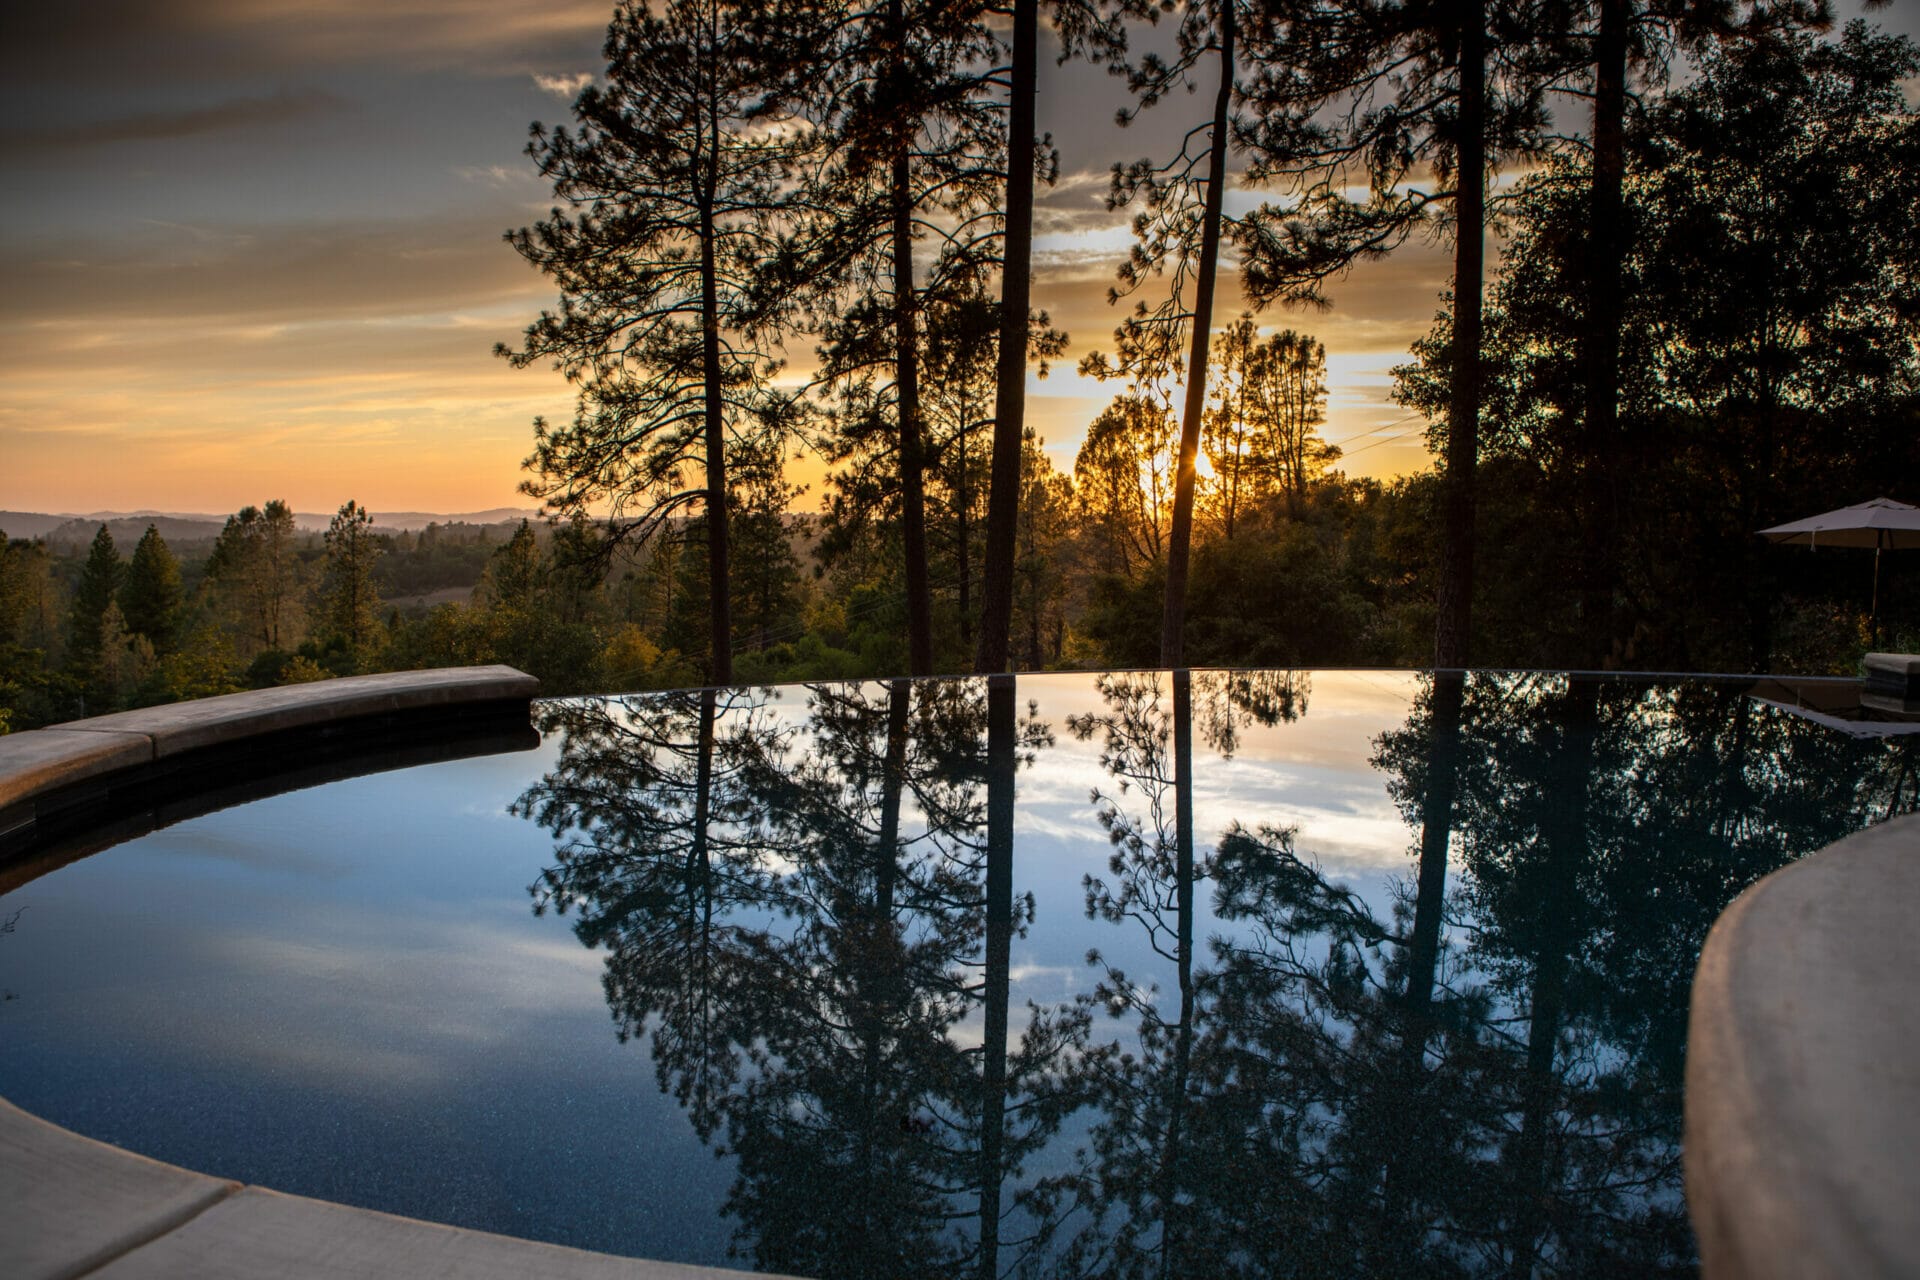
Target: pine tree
[1411, 101]
[1182, 228]
[1618, 38]
[151, 598]
[349, 599]
[1010, 388]
[255, 568]
[93, 596]
[912, 141]
[1287, 396]
[678, 174]
[512, 577]
[1094, 31]
[27, 615]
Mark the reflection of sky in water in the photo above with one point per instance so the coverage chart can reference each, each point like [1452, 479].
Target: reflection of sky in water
[343, 992]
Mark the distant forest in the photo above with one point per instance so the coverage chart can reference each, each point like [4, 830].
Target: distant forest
[1704, 318]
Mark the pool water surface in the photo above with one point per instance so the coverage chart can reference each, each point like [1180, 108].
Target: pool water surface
[1237, 974]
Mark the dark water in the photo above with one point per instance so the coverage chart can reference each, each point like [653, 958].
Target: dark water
[1249, 975]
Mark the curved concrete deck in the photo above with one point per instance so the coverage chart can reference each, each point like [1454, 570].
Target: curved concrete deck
[1803, 1069]
[71, 1206]
[66, 770]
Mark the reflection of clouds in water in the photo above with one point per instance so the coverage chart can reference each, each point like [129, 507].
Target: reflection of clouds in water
[1078, 826]
[1044, 983]
[346, 1006]
[263, 846]
[1371, 843]
[1313, 774]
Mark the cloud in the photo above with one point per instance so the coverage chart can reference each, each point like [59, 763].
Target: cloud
[354, 270]
[166, 126]
[495, 175]
[145, 42]
[217, 361]
[563, 87]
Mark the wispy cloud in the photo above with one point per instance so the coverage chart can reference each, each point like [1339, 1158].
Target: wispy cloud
[493, 175]
[145, 42]
[166, 126]
[563, 87]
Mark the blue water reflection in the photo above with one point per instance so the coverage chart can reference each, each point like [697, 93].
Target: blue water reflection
[1277, 974]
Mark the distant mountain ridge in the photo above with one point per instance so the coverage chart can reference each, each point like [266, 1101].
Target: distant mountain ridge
[186, 526]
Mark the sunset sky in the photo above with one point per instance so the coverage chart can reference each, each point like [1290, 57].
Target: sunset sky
[253, 250]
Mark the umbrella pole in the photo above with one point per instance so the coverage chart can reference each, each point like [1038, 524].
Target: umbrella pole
[1873, 627]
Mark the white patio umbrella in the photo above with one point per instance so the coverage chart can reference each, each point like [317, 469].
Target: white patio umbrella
[1882, 523]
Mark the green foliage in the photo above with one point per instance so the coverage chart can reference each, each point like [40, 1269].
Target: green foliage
[203, 666]
[348, 620]
[255, 576]
[27, 615]
[1768, 369]
[151, 598]
[435, 558]
[33, 692]
[93, 597]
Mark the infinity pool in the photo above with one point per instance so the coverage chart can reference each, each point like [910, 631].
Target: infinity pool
[1247, 974]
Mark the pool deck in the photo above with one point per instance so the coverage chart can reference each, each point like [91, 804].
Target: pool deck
[73, 1207]
[1802, 1144]
[77, 765]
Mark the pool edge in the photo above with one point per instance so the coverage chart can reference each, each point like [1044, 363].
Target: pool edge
[74, 1206]
[1803, 1069]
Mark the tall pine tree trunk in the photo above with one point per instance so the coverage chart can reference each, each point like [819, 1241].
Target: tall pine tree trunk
[1173, 617]
[718, 588]
[998, 984]
[1453, 624]
[913, 501]
[699, 881]
[1010, 391]
[1172, 1212]
[1436, 831]
[1605, 302]
[963, 500]
[1560, 923]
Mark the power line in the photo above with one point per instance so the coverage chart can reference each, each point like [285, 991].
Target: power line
[1402, 435]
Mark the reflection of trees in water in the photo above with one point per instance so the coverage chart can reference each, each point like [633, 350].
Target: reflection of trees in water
[660, 853]
[1132, 1205]
[796, 918]
[808, 917]
[1485, 1081]
[1225, 702]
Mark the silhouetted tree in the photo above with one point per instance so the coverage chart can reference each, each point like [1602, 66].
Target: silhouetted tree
[1083, 28]
[915, 146]
[1623, 36]
[1122, 483]
[1766, 349]
[664, 325]
[1361, 93]
[1182, 227]
[1265, 434]
[1010, 385]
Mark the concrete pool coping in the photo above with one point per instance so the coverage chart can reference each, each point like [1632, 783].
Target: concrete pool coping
[71, 1206]
[73, 765]
[1802, 1144]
